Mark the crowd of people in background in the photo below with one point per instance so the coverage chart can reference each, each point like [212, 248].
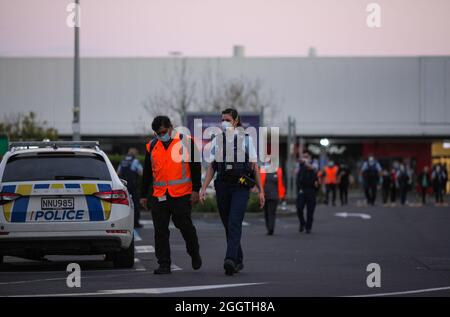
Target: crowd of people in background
[395, 182]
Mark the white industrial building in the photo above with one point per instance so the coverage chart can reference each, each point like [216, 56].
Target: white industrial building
[351, 96]
[401, 100]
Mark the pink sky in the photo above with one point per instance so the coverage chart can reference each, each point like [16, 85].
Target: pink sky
[212, 27]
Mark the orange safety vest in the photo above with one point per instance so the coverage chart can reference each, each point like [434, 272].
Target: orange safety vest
[331, 174]
[281, 188]
[171, 171]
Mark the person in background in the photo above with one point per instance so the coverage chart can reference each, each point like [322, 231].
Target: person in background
[274, 190]
[386, 183]
[439, 181]
[370, 172]
[330, 175]
[344, 183]
[424, 182]
[393, 185]
[129, 170]
[403, 180]
[444, 168]
[307, 185]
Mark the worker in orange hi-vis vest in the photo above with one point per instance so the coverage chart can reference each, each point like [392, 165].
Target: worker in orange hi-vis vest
[274, 191]
[330, 179]
[174, 179]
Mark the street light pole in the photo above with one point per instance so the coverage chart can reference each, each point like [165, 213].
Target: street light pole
[76, 77]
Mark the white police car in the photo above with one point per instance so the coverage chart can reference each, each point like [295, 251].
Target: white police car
[63, 198]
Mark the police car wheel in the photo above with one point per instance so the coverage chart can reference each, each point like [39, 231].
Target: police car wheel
[124, 258]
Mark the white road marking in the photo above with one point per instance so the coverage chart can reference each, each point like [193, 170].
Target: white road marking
[162, 290]
[137, 237]
[405, 292]
[245, 223]
[173, 267]
[352, 214]
[144, 249]
[64, 278]
[149, 224]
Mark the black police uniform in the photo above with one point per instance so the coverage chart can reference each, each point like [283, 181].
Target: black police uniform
[132, 177]
[306, 180]
[232, 194]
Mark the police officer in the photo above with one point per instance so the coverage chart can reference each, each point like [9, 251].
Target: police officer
[130, 169]
[236, 174]
[371, 172]
[344, 183]
[175, 179]
[307, 185]
[274, 190]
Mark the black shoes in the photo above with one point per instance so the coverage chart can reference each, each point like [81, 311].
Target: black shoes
[196, 261]
[270, 232]
[308, 231]
[229, 266]
[162, 270]
[302, 228]
[239, 267]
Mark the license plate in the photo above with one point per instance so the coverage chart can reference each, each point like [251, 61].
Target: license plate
[54, 203]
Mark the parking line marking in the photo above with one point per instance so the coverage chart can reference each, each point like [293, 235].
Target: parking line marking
[162, 290]
[149, 224]
[137, 237]
[144, 249]
[417, 291]
[173, 267]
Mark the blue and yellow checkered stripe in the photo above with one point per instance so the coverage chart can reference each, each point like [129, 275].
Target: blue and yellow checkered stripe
[16, 211]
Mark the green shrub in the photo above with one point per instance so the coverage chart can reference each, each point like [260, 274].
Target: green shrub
[253, 203]
[209, 205]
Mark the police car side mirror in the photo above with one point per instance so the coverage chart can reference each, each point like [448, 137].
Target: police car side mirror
[124, 182]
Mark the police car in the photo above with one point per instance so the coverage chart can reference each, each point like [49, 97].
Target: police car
[64, 198]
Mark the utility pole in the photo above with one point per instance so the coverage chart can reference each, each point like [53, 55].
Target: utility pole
[290, 154]
[76, 76]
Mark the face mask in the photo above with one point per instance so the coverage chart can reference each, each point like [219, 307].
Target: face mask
[226, 124]
[164, 137]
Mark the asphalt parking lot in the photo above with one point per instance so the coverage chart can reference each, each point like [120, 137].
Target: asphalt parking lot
[411, 245]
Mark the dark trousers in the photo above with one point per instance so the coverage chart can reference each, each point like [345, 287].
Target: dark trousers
[330, 188]
[424, 194]
[180, 210]
[370, 190]
[403, 193]
[308, 199]
[270, 209]
[393, 194]
[135, 197]
[386, 192]
[343, 194]
[232, 204]
[439, 194]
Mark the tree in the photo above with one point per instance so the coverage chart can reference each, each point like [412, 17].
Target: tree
[177, 96]
[26, 127]
[243, 94]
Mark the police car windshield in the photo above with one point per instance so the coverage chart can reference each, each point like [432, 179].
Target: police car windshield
[40, 167]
